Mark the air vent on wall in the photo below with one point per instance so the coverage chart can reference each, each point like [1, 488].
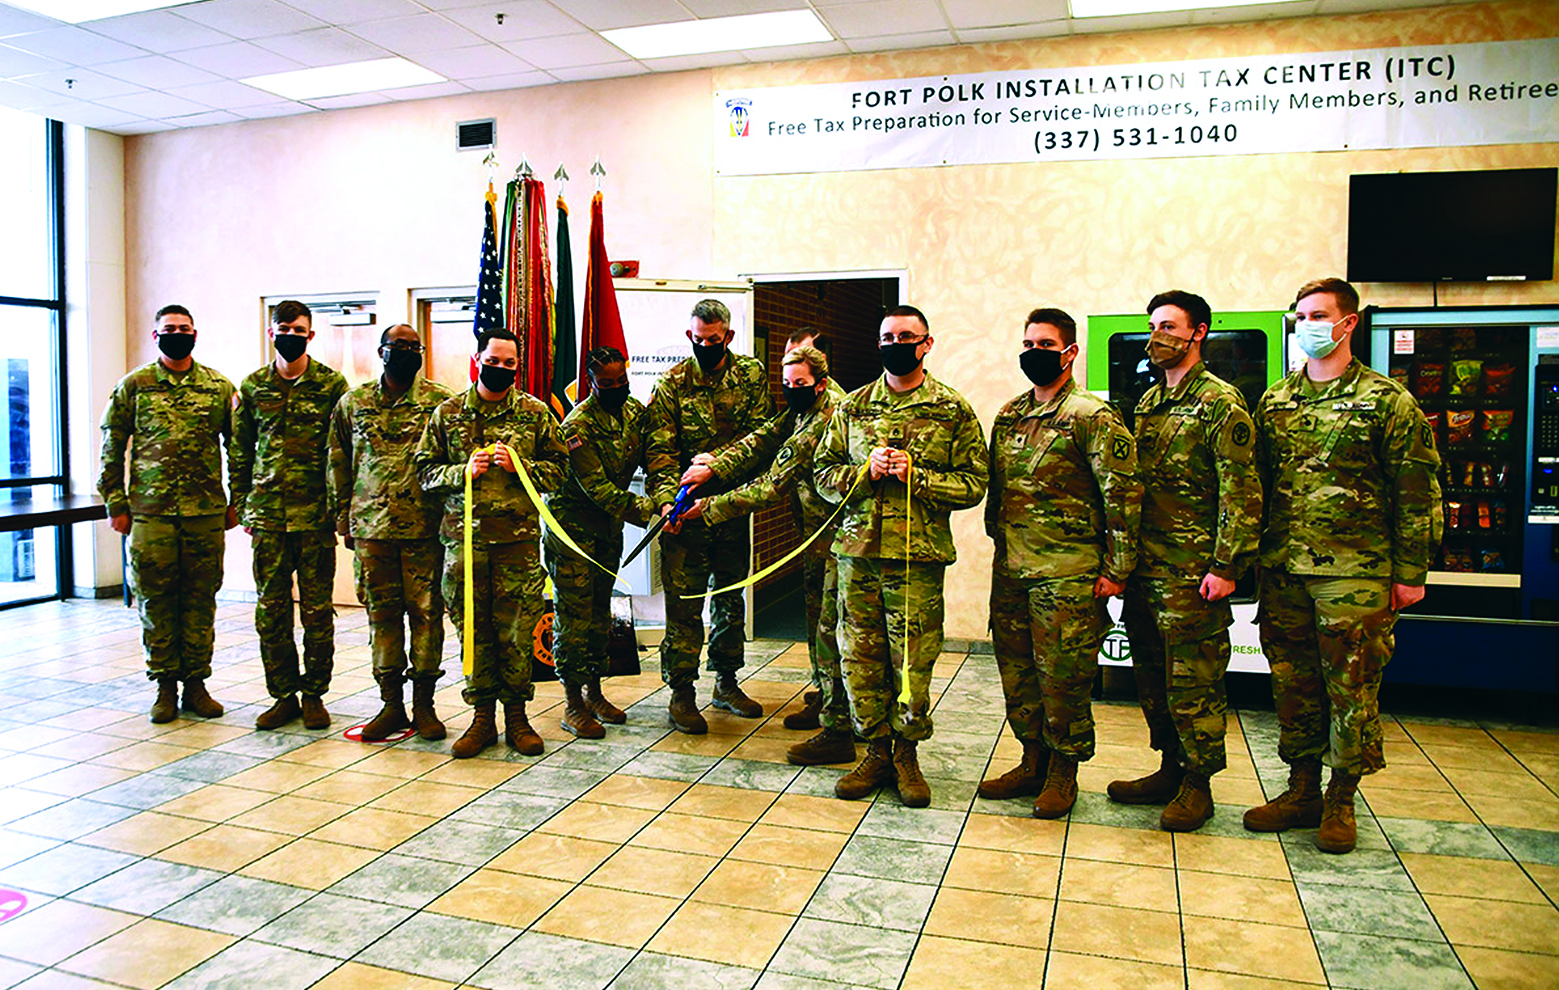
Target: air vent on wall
[473, 135]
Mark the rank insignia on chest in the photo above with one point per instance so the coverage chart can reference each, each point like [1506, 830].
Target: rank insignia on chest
[1353, 406]
[1241, 434]
[574, 443]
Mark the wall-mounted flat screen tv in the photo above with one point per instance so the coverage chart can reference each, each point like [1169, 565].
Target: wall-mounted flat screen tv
[1452, 226]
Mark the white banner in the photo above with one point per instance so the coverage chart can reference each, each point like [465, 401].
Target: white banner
[1446, 96]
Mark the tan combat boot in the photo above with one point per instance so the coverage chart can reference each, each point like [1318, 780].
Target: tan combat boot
[518, 733]
[577, 716]
[482, 732]
[314, 714]
[730, 696]
[423, 717]
[828, 746]
[603, 709]
[198, 701]
[392, 717]
[1158, 787]
[1192, 806]
[279, 714]
[1297, 807]
[810, 716]
[1338, 832]
[914, 792]
[1060, 791]
[166, 707]
[683, 712]
[1028, 777]
[874, 770]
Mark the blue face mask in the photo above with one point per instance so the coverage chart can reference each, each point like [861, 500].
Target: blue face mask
[1315, 337]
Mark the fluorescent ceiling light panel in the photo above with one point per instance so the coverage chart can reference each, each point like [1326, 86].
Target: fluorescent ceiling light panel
[1115, 8]
[343, 80]
[720, 34]
[77, 11]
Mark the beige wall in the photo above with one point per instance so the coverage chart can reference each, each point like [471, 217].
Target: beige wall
[377, 199]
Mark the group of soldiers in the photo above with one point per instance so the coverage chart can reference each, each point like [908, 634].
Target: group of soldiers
[1330, 488]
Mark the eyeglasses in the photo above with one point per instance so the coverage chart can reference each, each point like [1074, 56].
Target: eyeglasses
[903, 338]
[404, 348]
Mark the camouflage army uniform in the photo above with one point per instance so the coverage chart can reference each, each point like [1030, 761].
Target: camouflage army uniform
[508, 581]
[604, 451]
[174, 424]
[1063, 511]
[791, 473]
[393, 523]
[882, 597]
[1353, 505]
[277, 465]
[692, 413]
[1201, 514]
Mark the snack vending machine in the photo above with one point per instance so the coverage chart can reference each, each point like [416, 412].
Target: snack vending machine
[1488, 382]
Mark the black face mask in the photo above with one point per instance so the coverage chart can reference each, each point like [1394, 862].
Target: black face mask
[291, 346]
[799, 398]
[401, 365]
[612, 399]
[496, 379]
[176, 345]
[900, 359]
[709, 356]
[1041, 365]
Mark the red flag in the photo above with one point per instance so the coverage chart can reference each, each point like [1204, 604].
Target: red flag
[603, 325]
[527, 284]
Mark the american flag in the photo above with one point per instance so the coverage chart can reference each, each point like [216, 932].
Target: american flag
[489, 289]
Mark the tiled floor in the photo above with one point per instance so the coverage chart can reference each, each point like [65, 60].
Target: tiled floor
[204, 854]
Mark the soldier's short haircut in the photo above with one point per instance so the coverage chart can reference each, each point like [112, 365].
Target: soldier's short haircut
[1346, 295]
[819, 339]
[909, 311]
[1193, 305]
[812, 358]
[172, 309]
[1058, 318]
[384, 338]
[496, 333]
[290, 309]
[712, 311]
[600, 357]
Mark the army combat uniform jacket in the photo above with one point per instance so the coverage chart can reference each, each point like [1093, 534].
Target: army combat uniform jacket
[694, 413]
[604, 451]
[373, 482]
[277, 462]
[179, 423]
[789, 469]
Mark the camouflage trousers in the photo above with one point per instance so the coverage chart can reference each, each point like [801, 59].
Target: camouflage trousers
[582, 602]
[881, 601]
[1328, 641]
[311, 555]
[396, 580]
[820, 585]
[1179, 654]
[1046, 636]
[175, 571]
[507, 586]
[692, 562]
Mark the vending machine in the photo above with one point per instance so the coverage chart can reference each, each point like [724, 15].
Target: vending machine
[1488, 381]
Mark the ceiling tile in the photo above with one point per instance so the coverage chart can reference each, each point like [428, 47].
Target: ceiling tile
[511, 80]
[894, 42]
[322, 46]
[80, 84]
[522, 19]
[23, 97]
[601, 15]
[250, 18]
[1001, 13]
[610, 70]
[19, 63]
[347, 102]
[786, 53]
[681, 63]
[1253, 12]
[473, 62]
[156, 72]
[237, 59]
[225, 95]
[158, 31]
[156, 105]
[13, 21]
[731, 8]
[420, 33]
[566, 50]
[91, 115]
[1018, 32]
[427, 92]
[206, 119]
[356, 11]
[74, 46]
[1130, 22]
[142, 127]
[862, 20]
[286, 108]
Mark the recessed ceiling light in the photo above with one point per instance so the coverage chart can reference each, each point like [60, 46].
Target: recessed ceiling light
[76, 11]
[342, 80]
[720, 34]
[1115, 8]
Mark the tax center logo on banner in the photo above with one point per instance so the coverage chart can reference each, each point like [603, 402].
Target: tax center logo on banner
[741, 116]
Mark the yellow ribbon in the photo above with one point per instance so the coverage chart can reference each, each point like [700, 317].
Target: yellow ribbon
[467, 606]
[909, 469]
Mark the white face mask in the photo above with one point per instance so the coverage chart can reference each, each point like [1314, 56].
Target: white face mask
[1315, 337]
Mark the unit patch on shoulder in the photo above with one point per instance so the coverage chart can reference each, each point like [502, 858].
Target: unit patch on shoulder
[1428, 436]
[1120, 448]
[575, 442]
[1241, 434]
[785, 454]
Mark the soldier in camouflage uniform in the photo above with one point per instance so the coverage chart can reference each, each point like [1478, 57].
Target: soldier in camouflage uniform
[391, 526]
[174, 414]
[1353, 518]
[919, 442]
[1201, 518]
[508, 581]
[702, 405]
[811, 398]
[606, 436]
[277, 465]
[1063, 511]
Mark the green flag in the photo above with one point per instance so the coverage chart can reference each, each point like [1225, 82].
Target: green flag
[565, 357]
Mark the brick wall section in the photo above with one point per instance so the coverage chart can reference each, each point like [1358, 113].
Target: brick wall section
[848, 312]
